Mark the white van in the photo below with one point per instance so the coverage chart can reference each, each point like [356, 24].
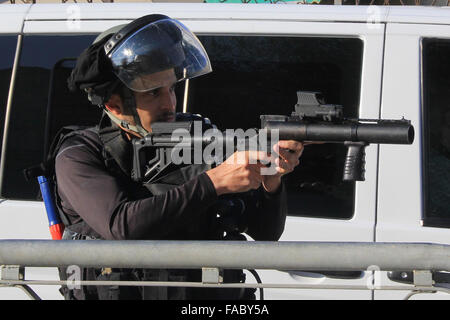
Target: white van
[378, 62]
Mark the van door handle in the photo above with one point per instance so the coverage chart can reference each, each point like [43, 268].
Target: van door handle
[407, 277]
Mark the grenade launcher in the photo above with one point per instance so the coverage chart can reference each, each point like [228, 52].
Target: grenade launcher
[311, 120]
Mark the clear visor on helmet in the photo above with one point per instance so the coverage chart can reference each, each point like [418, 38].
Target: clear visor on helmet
[164, 47]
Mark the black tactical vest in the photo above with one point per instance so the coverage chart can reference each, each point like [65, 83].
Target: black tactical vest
[117, 153]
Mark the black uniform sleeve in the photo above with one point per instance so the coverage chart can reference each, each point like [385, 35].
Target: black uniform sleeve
[267, 214]
[88, 189]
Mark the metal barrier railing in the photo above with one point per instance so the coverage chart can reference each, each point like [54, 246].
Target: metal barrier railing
[421, 258]
[300, 2]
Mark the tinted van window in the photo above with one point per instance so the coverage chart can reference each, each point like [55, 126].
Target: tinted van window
[252, 76]
[436, 114]
[256, 75]
[25, 146]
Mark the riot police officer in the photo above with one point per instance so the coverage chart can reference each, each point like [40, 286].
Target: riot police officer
[131, 73]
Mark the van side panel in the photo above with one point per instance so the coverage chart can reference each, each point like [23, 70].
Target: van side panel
[400, 211]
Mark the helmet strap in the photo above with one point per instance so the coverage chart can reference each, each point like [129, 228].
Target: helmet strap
[129, 104]
[125, 124]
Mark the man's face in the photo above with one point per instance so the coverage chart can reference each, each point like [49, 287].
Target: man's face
[158, 104]
[152, 106]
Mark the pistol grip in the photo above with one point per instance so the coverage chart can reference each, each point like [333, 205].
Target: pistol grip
[354, 167]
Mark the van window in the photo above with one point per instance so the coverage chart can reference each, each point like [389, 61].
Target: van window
[436, 114]
[251, 76]
[254, 75]
[8, 45]
[25, 146]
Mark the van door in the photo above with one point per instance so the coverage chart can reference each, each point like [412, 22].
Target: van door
[414, 181]
[257, 68]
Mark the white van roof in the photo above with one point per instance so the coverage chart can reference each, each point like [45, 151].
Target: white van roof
[213, 11]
